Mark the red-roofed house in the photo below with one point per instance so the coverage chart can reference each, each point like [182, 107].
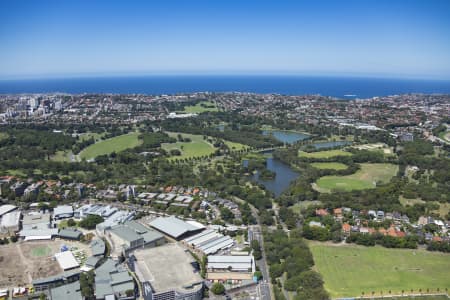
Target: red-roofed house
[321, 212]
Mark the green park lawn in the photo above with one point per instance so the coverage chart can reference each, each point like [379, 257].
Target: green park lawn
[329, 166]
[200, 107]
[195, 148]
[115, 144]
[235, 146]
[324, 154]
[362, 179]
[3, 135]
[350, 270]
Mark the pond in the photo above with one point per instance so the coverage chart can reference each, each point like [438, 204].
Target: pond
[288, 137]
[325, 145]
[284, 176]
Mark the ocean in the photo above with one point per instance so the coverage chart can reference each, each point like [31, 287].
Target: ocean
[340, 87]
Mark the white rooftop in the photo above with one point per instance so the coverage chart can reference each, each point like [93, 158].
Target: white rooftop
[66, 260]
[6, 209]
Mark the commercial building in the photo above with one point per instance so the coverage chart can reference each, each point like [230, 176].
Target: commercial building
[36, 221]
[131, 235]
[62, 212]
[176, 228]
[112, 281]
[229, 267]
[167, 273]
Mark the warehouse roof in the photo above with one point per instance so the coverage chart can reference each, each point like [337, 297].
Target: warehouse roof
[71, 291]
[6, 209]
[172, 226]
[132, 231]
[236, 263]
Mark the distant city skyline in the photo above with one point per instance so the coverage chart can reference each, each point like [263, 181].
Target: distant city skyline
[47, 39]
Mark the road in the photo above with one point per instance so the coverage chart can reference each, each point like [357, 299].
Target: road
[254, 233]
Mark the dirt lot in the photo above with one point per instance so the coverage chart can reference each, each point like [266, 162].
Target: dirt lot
[22, 262]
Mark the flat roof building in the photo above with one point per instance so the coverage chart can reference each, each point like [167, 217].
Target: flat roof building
[36, 221]
[131, 235]
[62, 212]
[168, 273]
[174, 227]
[71, 291]
[230, 267]
[66, 260]
[70, 234]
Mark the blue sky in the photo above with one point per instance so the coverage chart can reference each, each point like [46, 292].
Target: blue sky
[364, 38]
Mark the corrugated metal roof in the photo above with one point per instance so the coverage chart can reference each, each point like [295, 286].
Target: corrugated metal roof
[172, 226]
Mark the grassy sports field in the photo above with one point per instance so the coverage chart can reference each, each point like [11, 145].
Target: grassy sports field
[200, 107]
[195, 148]
[329, 166]
[362, 179]
[115, 144]
[324, 154]
[350, 270]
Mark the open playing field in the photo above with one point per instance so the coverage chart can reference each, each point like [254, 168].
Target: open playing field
[200, 107]
[195, 148]
[20, 263]
[350, 270]
[115, 144]
[329, 166]
[365, 178]
[324, 154]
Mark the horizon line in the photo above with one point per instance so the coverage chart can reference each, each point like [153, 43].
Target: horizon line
[225, 74]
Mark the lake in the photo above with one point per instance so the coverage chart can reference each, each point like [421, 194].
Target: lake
[325, 145]
[284, 176]
[288, 137]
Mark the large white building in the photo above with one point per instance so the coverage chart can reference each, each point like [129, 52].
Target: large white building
[10, 223]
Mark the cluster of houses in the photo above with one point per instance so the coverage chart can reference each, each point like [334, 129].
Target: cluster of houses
[357, 221]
